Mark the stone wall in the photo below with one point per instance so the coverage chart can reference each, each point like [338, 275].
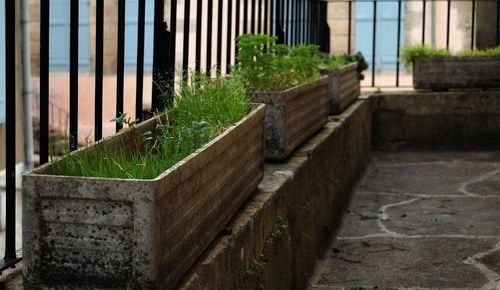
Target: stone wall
[338, 20]
[467, 119]
[435, 28]
[276, 236]
[436, 21]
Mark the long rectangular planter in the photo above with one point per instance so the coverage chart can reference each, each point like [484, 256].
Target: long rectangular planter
[344, 87]
[456, 72]
[293, 115]
[138, 234]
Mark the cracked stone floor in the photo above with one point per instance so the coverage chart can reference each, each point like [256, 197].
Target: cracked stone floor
[419, 220]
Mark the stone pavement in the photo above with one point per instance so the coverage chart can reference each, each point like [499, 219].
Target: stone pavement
[419, 220]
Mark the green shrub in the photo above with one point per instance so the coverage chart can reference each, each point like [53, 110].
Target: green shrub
[203, 108]
[410, 52]
[485, 52]
[266, 66]
[333, 62]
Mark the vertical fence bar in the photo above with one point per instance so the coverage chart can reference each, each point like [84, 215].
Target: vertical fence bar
[141, 22]
[306, 21]
[44, 80]
[301, 21]
[120, 62]
[220, 14]
[185, 47]
[237, 28]
[280, 34]
[398, 44]
[498, 23]
[209, 36]
[245, 16]
[10, 130]
[312, 27]
[199, 7]
[472, 32]
[286, 21]
[374, 40]
[297, 21]
[349, 27]
[160, 45]
[172, 41]
[423, 21]
[266, 18]
[324, 28]
[229, 39]
[448, 25]
[99, 50]
[291, 22]
[73, 75]
[272, 17]
[259, 17]
[252, 18]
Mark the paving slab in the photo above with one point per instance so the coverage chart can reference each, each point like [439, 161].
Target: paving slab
[419, 220]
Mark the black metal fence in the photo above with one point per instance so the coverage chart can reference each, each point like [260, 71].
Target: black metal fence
[292, 21]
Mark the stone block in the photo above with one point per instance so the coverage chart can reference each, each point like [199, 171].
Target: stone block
[293, 115]
[137, 234]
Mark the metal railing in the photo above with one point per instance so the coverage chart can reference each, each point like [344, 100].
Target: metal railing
[424, 22]
[292, 21]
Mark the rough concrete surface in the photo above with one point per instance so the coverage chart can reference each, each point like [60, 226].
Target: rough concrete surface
[419, 220]
[293, 116]
[465, 119]
[137, 234]
[456, 72]
[343, 87]
[306, 193]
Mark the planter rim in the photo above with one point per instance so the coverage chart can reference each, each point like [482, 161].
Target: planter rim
[458, 57]
[321, 78]
[34, 172]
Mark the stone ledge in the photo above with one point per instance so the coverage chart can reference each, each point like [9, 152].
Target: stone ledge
[465, 119]
[306, 205]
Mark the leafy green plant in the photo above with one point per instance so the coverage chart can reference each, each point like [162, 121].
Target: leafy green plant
[410, 52]
[266, 66]
[485, 52]
[203, 108]
[333, 62]
[252, 278]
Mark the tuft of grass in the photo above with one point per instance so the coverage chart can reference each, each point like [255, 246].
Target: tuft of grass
[410, 52]
[485, 52]
[266, 66]
[334, 62]
[202, 109]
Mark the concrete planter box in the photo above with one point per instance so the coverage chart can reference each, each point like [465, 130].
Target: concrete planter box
[344, 87]
[137, 234]
[293, 115]
[456, 72]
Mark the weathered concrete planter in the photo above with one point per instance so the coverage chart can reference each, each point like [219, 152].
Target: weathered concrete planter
[293, 115]
[344, 87]
[138, 234]
[456, 72]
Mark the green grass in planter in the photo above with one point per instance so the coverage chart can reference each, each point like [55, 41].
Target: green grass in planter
[203, 108]
[411, 52]
[485, 52]
[266, 66]
[331, 62]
